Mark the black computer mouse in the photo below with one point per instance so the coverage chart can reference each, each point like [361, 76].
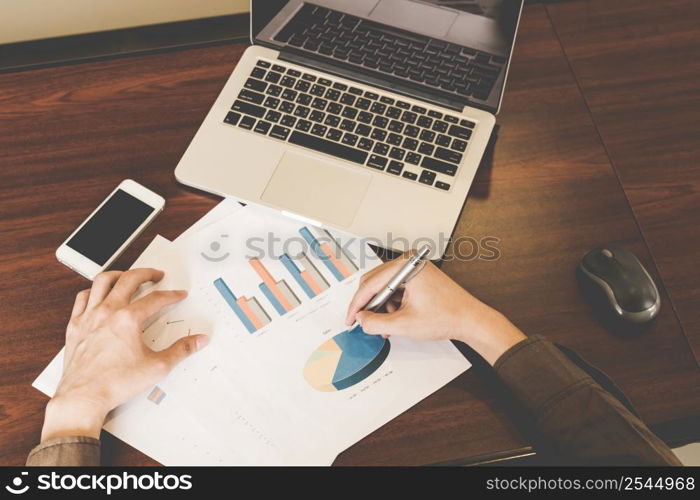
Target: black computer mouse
[622, 284]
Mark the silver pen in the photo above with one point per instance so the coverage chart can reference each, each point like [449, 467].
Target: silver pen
[401, 276]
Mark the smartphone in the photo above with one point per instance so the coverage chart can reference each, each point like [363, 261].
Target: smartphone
[110, 229]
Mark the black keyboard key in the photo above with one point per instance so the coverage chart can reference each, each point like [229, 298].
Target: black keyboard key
[378, 135]
[381, 148]
[442, 185]
[397, 153]
[273, 116]
[413, 158]
[378, 162]
[393, 112]
[363, 103]
[325, 82]
[410, 175]
[262, 64]
[334, 108]
[303, 125]
[250, 96]
[332, 148]
[271, 103]
[290, 94]
[394, 139]
[439, 166]
[286, 107]
[348, 99]
[460, 132]
[467, 123]
[365, 117]
[334, 134]
[409, 117]
[318, 90]
[365, 144]
[349, 139]
[426, 149]
[451, 119]
[288, 81]
[378, 108]
[340, 86]
[350, 113]
[403, 104]
[248, 109]
[262, 127]
[427, 136]
[347, 125]
[332, 94]
[332, 120]
[386, 100]
[371, 95]
[418, 109]
[424, 121]
[319, 103]
[247, 122]
[427, 177]
[443, 140]
[447, 155]
[363, 130]
[279, 132]
[459, 145]
[232, 118]
[411, 131]
[293, 72]
[302, 86]
[317, 116]
[288, 121]
[319, 130]
[308, 77]
[277, 67]
[304, 99]
[395, 167]
[274, 90]
[355, 90]
[302, 112]
[253, 84]
[380, 121]
[410, 144]
[273, 77]
[396, 126]
[258, 73]
[435, 114]
[439, 126]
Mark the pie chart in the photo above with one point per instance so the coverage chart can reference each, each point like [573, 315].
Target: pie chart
[346, 359]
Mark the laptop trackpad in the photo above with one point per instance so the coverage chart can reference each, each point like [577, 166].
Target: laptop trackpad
[316, 188]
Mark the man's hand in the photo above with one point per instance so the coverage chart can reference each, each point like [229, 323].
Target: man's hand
[105, 361]
[432, 307]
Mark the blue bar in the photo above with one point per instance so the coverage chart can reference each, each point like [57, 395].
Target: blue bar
[316, 247]
[271, 297]
[294, 271]
[230, 299]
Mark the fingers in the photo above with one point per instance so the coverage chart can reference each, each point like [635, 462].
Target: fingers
[154, 302]
[130, 281]
[81, 301]
[101, 286]
[385, 324]
[181, 349]
[372, 282]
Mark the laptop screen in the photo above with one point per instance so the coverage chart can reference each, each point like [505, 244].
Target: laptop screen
[482, 24]
[457, 47]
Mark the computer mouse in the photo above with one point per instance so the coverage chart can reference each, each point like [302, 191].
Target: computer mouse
[622, 284]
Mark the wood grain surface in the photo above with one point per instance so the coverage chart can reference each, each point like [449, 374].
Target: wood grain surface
[548, 192]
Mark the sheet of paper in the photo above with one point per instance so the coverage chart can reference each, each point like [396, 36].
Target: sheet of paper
[223, 209]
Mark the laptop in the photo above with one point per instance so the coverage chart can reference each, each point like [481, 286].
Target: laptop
[368, 116]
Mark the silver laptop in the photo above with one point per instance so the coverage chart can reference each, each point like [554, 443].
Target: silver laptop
[369, 116]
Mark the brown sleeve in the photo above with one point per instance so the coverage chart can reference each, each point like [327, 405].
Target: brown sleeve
[66, 451]
[576, 415]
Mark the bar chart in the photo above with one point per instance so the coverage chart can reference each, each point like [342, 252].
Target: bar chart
[248, 310]
[308, 277]
[278, 292]
[330, 252]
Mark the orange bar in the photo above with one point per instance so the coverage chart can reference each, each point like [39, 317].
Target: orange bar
[270, 282]
[243, 303]
[338, 264]
[309, 281]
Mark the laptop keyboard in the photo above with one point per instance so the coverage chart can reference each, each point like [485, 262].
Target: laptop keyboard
[409, 56]
[364, 127]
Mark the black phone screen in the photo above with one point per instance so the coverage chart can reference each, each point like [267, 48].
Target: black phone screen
[110, 227]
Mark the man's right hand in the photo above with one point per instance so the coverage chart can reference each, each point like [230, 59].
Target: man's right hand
[432, 307]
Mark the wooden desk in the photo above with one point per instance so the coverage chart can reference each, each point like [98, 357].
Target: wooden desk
[549, 192]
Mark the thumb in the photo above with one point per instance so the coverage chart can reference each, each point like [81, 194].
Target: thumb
[382, 323]
[183, 348]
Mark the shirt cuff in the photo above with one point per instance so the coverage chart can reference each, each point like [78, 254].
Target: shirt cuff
[539, 374]
[66, 451]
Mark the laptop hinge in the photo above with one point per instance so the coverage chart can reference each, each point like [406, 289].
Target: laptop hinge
[355, 74]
